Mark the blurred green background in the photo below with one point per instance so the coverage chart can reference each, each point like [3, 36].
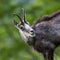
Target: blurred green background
[12, 47]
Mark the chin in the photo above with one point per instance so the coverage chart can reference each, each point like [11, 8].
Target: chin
[31, 41]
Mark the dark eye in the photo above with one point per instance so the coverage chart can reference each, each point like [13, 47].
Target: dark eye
[22, 27]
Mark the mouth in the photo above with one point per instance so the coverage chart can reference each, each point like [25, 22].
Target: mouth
[29, 35]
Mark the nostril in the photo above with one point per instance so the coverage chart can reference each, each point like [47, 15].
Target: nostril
[32, 32]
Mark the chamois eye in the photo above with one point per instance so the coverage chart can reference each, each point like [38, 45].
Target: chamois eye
[22, 27]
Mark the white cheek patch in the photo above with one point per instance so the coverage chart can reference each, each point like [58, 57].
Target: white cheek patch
[23, 35]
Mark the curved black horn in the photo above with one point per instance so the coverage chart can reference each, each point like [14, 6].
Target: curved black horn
[24, 15]
[18, 17]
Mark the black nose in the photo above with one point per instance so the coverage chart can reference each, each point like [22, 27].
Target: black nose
[32, 32]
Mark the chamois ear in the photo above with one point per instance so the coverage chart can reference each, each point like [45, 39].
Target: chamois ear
[15, 23]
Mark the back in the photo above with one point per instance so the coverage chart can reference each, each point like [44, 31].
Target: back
[48, 28]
